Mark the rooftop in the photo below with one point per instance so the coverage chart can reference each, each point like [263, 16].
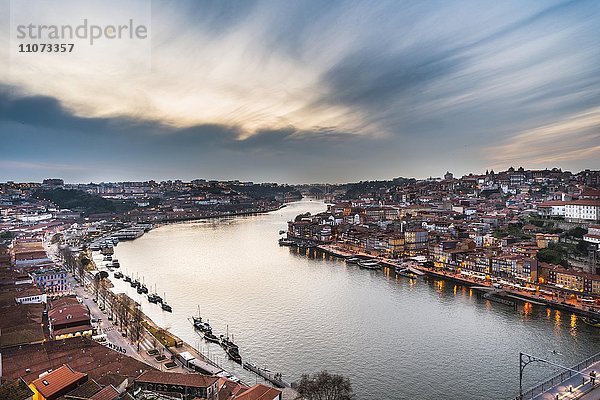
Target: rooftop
[103, 365]
[56, 381]
[17, 390]
[259, 392]
[170, 378]
[108, 393]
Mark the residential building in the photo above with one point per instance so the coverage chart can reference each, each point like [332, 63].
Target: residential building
[54, 384]
[552, 208]
[69, 318]
[570, 279]
[582, 211]
[545, 239]
[593, 235]
[416, 241]
[51, 280]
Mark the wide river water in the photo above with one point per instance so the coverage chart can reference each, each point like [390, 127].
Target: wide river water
[296, 313]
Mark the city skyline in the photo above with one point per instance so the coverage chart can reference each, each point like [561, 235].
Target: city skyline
[308, 92]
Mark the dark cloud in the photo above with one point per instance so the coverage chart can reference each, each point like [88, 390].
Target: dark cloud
[122, 148]
[372, 80]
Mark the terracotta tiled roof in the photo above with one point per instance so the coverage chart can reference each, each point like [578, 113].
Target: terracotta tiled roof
[170, 378]
[552, 203]
[68, 310]
[228, 389]
[584, 203]
[102, 364]
[86, 390]
[17, 390]
[58, 380]
[259, 392]
[108, 393]
[590, 192]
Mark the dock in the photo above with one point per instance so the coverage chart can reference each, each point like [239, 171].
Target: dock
[457, 278]
[275, 379]
[498, 299]
[407, 266]
[336, 252]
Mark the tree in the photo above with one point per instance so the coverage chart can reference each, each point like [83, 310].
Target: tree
[577, 232]
[137, 329]
[113, 302]
[103, 291]
[68, 258]
[550, 256]
[124, 309]
[96, 286]
[325, 386]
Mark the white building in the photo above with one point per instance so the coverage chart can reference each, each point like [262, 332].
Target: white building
[32, 299]
[552, 208]
[593, 235]
[582, 211]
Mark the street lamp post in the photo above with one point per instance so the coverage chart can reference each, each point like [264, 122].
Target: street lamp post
[526, 359]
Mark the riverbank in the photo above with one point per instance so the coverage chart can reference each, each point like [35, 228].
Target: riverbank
[525, 296]
[219, 215]
[214, 363]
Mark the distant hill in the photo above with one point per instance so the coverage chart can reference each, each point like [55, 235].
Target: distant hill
[260, 192]
[82, 201]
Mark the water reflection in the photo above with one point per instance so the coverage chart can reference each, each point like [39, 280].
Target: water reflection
[527, 309]
[299, 310]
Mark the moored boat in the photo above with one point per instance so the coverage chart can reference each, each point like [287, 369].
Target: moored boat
[118, 275]
[592, 321]
[153, 298]
[164, 305]
[286, 242]
[403, 271]
[369, 264]
[209, 336]
[232, 350]
[201, 325]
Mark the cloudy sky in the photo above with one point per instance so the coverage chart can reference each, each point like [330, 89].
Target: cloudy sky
[303, 91]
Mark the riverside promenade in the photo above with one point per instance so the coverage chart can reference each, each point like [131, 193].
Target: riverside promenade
[537, 297]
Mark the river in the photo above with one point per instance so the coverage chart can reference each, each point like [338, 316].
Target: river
[296, 313]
